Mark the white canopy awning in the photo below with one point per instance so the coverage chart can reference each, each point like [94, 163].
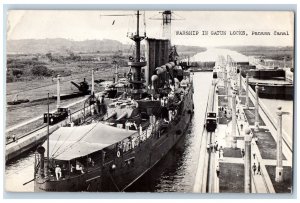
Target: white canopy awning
[71, 142]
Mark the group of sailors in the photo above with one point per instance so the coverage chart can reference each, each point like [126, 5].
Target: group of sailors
[129, 144]
[212, 147]
[134, 141]
[78, 167]
[225, 112]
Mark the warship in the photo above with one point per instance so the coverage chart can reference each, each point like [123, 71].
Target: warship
[133, 133]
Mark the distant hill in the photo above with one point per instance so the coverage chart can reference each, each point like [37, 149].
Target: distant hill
[62, 45]
[32, 46]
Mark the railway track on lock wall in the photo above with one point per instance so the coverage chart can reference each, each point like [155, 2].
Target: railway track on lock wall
[210, 177]
[10, 141]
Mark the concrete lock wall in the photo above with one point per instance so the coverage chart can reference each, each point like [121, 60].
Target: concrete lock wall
[38, 137]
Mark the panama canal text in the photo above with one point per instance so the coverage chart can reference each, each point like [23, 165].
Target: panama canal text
[231, 32]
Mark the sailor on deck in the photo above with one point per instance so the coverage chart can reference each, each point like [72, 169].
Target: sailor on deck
[90, 161]
[79, 167]
[127, 125]
[72, 168]
[57, 172]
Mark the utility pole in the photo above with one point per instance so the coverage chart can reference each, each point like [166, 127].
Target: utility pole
[240, 81]
[58, 92]
[93, 85]
[48, 148]
[228, 91]
[233, 132]
[247, 166]
[247, 91]
[167, 17]
[225, 82]
[279, 168]
[116, 71]
[256, 123]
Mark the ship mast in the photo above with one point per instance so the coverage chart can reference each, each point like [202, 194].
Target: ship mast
[137, 64]
[138, 38]
[167, 17]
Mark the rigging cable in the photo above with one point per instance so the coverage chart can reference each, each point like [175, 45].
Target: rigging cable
[68, 147]
[62, 143]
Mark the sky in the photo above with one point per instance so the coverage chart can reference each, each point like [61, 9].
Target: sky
[82, 25]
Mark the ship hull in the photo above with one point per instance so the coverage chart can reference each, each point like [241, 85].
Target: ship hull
[131, 165]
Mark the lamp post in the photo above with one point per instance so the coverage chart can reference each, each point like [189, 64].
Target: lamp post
[228, 91]
[247, 91]
[225, 82]
[233, 132]
[93, 85]
[240, 81]
[58, 91]
[279, 168]
[256, 123]
[247, 164]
